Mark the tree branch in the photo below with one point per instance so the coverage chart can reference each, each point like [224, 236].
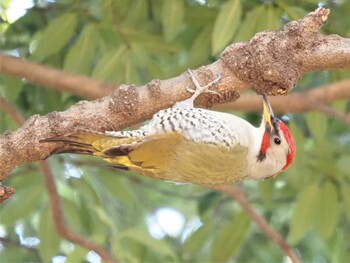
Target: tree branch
[93, 89]
[271, 62]
[293, 102]
[12, 111]
[58, 216]
[264, 226]
[9, 242]
[55, 79]
[333, 113]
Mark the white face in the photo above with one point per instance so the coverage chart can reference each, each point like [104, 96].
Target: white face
[276, 154]
[275, 158]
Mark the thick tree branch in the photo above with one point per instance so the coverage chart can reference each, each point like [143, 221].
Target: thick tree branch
[293, 102]
[264, 226]
[94, 89]
[271, 62]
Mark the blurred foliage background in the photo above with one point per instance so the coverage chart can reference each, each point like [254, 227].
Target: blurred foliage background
[144, 220]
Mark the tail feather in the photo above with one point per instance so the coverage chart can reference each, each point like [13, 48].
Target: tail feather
[91, 143]
[71, 146]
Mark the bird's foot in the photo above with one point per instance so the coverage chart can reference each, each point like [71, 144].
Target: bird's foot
[198, 90]
[202, 89]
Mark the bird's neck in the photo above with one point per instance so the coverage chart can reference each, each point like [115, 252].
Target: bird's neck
[257, 142]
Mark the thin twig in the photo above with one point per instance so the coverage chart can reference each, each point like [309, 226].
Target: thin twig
[341, 116]
[239, 196]
[60, 224]
[58, 217]
[12, 111]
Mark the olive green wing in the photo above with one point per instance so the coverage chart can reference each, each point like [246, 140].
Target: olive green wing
[171, 157]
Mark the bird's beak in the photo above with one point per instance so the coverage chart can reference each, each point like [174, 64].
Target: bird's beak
[267, 113]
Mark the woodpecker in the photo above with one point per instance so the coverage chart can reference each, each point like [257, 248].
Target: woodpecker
[185, 144]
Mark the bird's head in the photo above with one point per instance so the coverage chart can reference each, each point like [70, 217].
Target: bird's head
[277, 144]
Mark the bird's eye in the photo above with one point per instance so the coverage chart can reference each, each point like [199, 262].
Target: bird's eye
[277, 141]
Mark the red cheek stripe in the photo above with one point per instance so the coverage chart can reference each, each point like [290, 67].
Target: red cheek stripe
[292, 147]
[265, 144]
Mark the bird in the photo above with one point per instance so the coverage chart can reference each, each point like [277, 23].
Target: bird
[185, 144]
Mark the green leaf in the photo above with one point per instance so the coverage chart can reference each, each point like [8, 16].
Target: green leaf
[266, 190]
[72, 214]
[270, 18]
[273, 17]
[328, 210]
[207, 201]
[45, 100]
[230, 239]
[130, 70]
[78, 255]
[172, 18]
[49, 241]
[196, 241]
[20, 206]
[7, 123]
[16, 254]
[200, 16]
[143, 61]
[303, 213]
[137, 13]
[11, 87]
[226, 25]
[343, 165]
[294, 12]
[200, 49]
[118, 187]
[142, 236]
[318, 125]
[87, 189]
[104, 218]
[107, 65]
[325, 166]
[248, 27]
[345, 192]
[81, 55]
[140, 56]
[133, 254]
[55, 36]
